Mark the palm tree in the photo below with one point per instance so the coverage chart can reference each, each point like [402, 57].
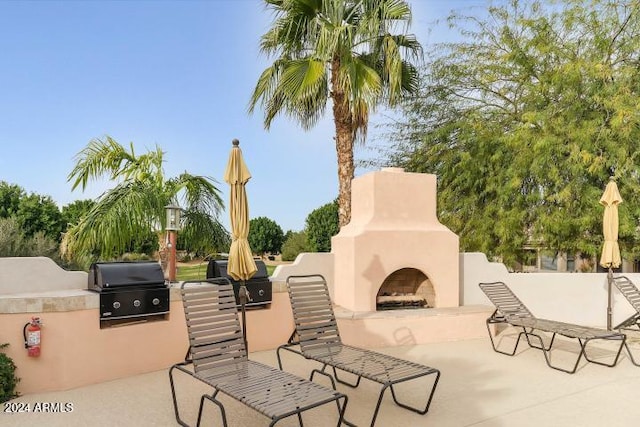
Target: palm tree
[136, 205]
[338, 49]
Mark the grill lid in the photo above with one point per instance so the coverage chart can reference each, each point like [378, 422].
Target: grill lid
[218, 268]
[110, 275]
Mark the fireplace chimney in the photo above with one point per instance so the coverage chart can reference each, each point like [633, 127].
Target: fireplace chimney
[393, 226]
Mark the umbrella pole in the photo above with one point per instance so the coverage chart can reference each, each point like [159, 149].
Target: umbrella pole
[609, 310]
[243, 296]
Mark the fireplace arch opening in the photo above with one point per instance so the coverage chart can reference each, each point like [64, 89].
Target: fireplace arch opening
[405, 288]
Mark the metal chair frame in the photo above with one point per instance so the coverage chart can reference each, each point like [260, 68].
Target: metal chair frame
[510, 310]
[219, 358]
[632, 324]
[317, 338]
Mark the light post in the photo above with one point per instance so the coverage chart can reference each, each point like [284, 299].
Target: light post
[173, 225]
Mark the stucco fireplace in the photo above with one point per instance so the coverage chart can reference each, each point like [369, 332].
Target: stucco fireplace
[394, 245]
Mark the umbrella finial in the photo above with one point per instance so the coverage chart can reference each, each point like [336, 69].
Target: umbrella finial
[235, 142]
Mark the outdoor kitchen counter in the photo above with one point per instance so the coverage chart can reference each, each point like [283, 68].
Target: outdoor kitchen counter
[73, 299]
[77, 351]
[58, 301]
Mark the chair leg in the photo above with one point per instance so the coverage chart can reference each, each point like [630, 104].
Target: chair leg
[213, 399]
[178, 366]
[288, 348]
[553, 337]
[352, 385]
[623, 343]
[341, 410]
[380, 396]
[631, 355]
[547, 357]
[322, 372]
[635, 330]
[414, 409]
[495, 347]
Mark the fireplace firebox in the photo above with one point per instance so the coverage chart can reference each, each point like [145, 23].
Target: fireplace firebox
[405, 288]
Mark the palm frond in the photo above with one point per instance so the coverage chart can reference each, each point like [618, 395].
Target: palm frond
[200, 193]
[121, 215]
[108, 157]
[204, 233]
[299, 87]
[98, 158]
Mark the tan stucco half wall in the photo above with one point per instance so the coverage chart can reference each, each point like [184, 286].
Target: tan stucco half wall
[37, 274]
[77, 352]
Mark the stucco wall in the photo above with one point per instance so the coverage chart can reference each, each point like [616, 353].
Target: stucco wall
[570, 297]
[77, 352]
[37, 274]
[304, 264]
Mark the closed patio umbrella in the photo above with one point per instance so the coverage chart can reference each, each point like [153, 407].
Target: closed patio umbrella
[241, 265]
[610, 257]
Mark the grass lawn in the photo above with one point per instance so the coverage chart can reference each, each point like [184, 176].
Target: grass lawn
[197, 271]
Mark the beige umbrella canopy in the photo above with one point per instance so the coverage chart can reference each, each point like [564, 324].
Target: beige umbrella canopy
[611, 198]
[241, 265]
[610, 257]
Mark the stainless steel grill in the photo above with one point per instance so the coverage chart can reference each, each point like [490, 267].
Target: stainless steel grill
[129, 290]
[259, 286]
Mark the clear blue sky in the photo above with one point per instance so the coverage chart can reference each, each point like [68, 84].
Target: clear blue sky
[177, 74]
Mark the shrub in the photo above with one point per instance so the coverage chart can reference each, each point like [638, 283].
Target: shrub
[8, 379]
[135, 256]
[321, 225]
[13, 242]
[294, 245]
[265, 235]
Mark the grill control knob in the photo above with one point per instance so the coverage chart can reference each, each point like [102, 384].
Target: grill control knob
[155, 301]
[136, 303]
[116, 305]
[261, 292]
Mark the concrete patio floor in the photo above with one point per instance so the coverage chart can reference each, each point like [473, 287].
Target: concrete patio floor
[478, 387]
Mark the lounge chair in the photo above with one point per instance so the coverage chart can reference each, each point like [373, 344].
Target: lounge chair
[319, 340]
[510, 310]
[632, 294]
[219, 359]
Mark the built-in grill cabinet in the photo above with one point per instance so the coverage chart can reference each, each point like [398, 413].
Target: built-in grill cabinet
[129, 290]
[258, 286]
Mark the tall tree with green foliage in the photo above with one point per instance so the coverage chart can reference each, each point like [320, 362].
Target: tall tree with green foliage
[265, 235]
[525, 119]
[33, 212]
[294, 244]
[321, 224]
[74, 211]
[39, 213]
[345, 51]
[10, 195]
[136, 205]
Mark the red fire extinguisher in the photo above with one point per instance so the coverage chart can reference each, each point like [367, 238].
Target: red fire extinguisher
[32, 338]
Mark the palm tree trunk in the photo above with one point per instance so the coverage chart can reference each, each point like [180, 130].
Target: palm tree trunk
[344, 145]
